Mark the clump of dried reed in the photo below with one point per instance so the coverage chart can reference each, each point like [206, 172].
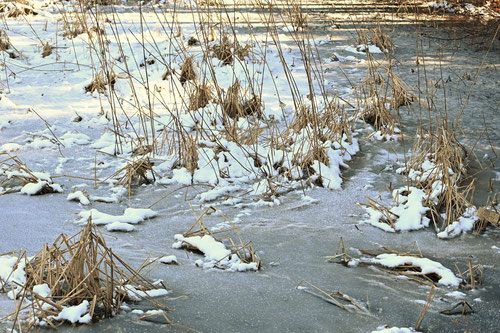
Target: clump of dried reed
[188, 71]
[489, 214]
[200, 97]
[374, 100]
[73, 27]
[235, 105]
[14, 174]
[100, 81]
[193, 41]
[413, 272]
[78, 269]
[231, 104]
[15, 9]
[136, 172]
[472, 276]
[401, 93]
[189, 155]
[222, 51]
[438, 166]
[244, 251]
[47, 50]
[226, 50]
[378, 115]
[376, 36]
[4, 41]
[298, 19]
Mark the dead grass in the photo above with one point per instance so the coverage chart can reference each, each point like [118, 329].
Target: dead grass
[76, 269]
[413, 272]
[188, 72]
[14, 174]
[101, 81]
[17, 8]
[47, 50]
[137, 172]
[4, 41]
[231, 104]
[337, 298]
[245, 251]
[226, 50]
[376, 36]
[200, 98]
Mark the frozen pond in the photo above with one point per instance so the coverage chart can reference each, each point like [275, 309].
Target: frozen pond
[295, 235]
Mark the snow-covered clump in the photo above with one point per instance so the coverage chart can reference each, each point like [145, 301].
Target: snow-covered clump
[75, 314]
[130, 215]
[426, 171]
[35, 183]
[41, 187]
[427, 266]
[168, 260]
[217, 192]
[120, 226]
[12, 276]
[216, 253]
[464, 224]
[10, 147]
[80, 197]
[408, 213]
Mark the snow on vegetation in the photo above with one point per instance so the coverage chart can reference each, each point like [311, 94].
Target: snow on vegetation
[464, 8]
[434, 173]
[41, 187]
[80, 197]
[464, 224]
[74, 314]
[16, 176]
[51, 282]
[12, 275]
[426, 266]
[227, 144]
[215, 252]
[169, 260]
[408, 212]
